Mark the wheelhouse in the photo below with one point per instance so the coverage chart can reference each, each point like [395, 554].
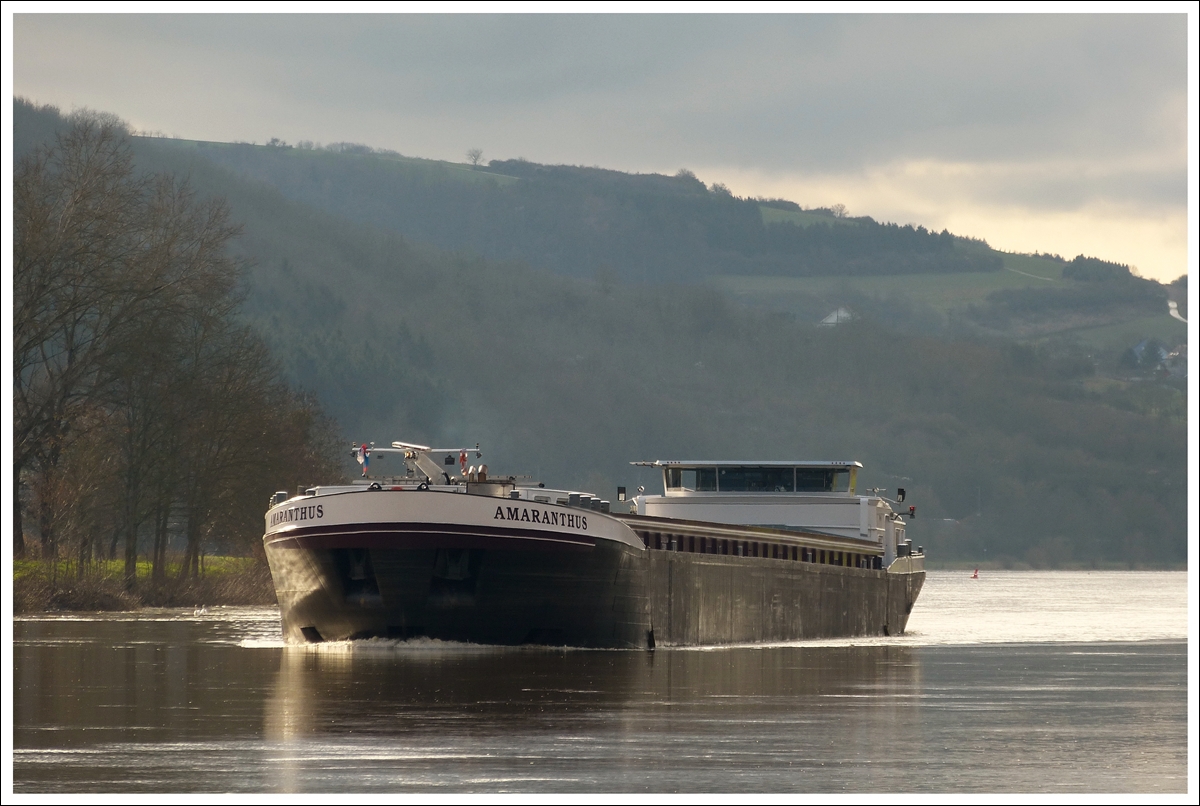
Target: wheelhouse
[684, 478]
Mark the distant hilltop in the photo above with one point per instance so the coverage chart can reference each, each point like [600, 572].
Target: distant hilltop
[588, 221]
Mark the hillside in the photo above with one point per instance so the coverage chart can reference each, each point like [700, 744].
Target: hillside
[652, 229]
[588, 221]
[569, 375]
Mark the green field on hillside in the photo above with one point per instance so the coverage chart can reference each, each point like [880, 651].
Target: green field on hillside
[1167, 330]
[943, 292]
[801, 218]
[409, 165]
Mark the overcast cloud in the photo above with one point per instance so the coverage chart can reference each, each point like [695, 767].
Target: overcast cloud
[1062, 133]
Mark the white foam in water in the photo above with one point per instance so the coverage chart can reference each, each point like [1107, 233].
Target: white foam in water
[391, 645]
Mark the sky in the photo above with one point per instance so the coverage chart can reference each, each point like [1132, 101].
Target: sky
[1059, 133]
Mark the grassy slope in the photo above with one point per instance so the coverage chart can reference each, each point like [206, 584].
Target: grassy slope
[947, 294]
[801, 218]
[440, 169]
[39, 586]
[943, 292]
[1120, 335]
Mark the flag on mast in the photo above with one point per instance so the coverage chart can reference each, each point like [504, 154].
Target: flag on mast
[363, 455]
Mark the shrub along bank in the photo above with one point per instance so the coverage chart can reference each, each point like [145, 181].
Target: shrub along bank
[40, 586]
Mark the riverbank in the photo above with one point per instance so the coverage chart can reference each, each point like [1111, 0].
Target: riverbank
[45, 587]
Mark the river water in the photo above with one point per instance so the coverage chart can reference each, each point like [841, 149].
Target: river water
[1066, 682]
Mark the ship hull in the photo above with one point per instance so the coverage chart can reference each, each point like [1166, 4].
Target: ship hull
[409, 564]
[699, 600]
[595, 597]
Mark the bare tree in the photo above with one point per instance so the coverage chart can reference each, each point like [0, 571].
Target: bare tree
[474, 155]
[137, 394]
[75, 231]
[184, 256]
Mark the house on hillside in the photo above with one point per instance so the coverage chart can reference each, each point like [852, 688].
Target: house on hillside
[837, 317]
[1149, 353]
[1176, 362]
[1152, 355]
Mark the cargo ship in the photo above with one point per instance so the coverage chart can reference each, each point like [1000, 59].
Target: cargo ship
[730, 553]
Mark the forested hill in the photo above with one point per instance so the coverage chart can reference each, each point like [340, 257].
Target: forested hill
[1009, 454]
[591, 222]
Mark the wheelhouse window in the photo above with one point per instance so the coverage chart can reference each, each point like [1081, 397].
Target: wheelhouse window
[822, 480]
[759, 479]
[692, 479]
[756, 479]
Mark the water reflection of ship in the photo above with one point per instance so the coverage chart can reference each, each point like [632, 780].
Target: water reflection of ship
[412, 689]
[731, 552]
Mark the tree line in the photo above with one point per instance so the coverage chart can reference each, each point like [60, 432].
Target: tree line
[576, 221]
[142, 406]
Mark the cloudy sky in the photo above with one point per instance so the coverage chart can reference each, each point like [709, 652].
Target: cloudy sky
[1054, 133]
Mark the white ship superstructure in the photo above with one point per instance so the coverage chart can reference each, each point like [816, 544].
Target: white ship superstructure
[812, 497]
